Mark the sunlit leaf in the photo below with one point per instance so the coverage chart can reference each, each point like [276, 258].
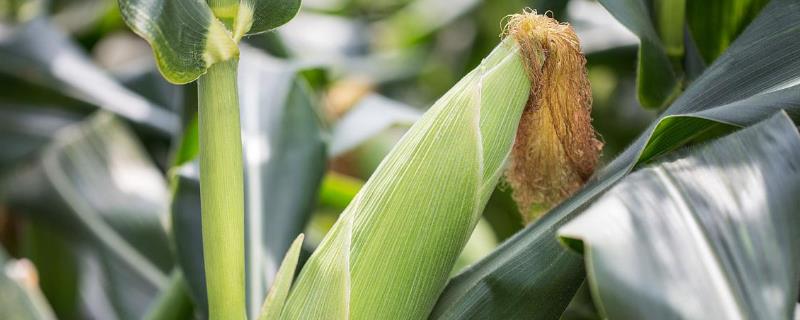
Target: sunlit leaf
[530, 274]
[38, 56]
[712, 231]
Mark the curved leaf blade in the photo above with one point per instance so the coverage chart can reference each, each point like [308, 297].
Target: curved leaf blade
[757, 76]
[185, 36]
[269, 14]
[657, 82]
[709, 233]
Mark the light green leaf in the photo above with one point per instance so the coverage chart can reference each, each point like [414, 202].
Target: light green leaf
[714, 24]
[531, 275]
[273, 304]
[185, 36]
[712, 231]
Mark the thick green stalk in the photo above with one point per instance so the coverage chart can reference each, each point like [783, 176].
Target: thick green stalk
[222, 191]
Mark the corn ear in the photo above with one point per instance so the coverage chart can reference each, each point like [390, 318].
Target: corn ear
[391, 251]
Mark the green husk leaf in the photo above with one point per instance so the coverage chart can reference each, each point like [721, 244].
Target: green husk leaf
[392, 249]
[397, 241]
[709, 232]
[276, 298]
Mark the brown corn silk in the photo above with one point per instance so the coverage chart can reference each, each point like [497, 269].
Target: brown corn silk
[556, 148]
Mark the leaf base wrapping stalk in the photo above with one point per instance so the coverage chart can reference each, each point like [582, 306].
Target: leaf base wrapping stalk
[222, 191]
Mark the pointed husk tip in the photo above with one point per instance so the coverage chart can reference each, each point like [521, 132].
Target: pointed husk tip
[556, 148]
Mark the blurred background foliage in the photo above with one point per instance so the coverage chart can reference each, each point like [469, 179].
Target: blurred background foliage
[98, 189]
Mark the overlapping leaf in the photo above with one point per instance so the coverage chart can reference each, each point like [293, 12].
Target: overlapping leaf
[188, 36]
[96, 187]
[43, 67]
[712, 232]
[757, 76]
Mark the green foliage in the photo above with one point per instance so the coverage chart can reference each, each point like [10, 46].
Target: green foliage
[744, 86]
[709, 231]
[187, 37]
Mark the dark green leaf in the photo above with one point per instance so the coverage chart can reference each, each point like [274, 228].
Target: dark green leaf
[41, 66]
[712, 231]
[20, 299]
[185, 36]
[531, 275]
[95, 186]
[657, 81]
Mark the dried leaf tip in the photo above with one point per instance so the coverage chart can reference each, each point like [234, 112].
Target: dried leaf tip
[556, 148]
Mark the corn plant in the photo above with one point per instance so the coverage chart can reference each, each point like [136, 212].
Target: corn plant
[192, 40]
[694, 219]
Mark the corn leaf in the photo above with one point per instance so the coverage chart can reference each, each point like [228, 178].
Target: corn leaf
[43, 67]
[530, 275]
[656, 80]
[284, 162]
[114, 218]
[185, 36]
[714, 24]
[711, 231]
[395, 244]
[265, 14]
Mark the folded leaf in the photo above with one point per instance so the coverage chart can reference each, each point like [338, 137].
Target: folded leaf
[185, 36]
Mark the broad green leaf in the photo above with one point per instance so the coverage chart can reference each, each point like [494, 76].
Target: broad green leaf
[709, 232]
[24, 129]
[96, 186]
[273, 304]
[41, 66]
[394, 246]
[185, 36]
[257, 16]
[714, 24]
[530, 275]
[188, 36]
[284, 162]
[657, 81]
